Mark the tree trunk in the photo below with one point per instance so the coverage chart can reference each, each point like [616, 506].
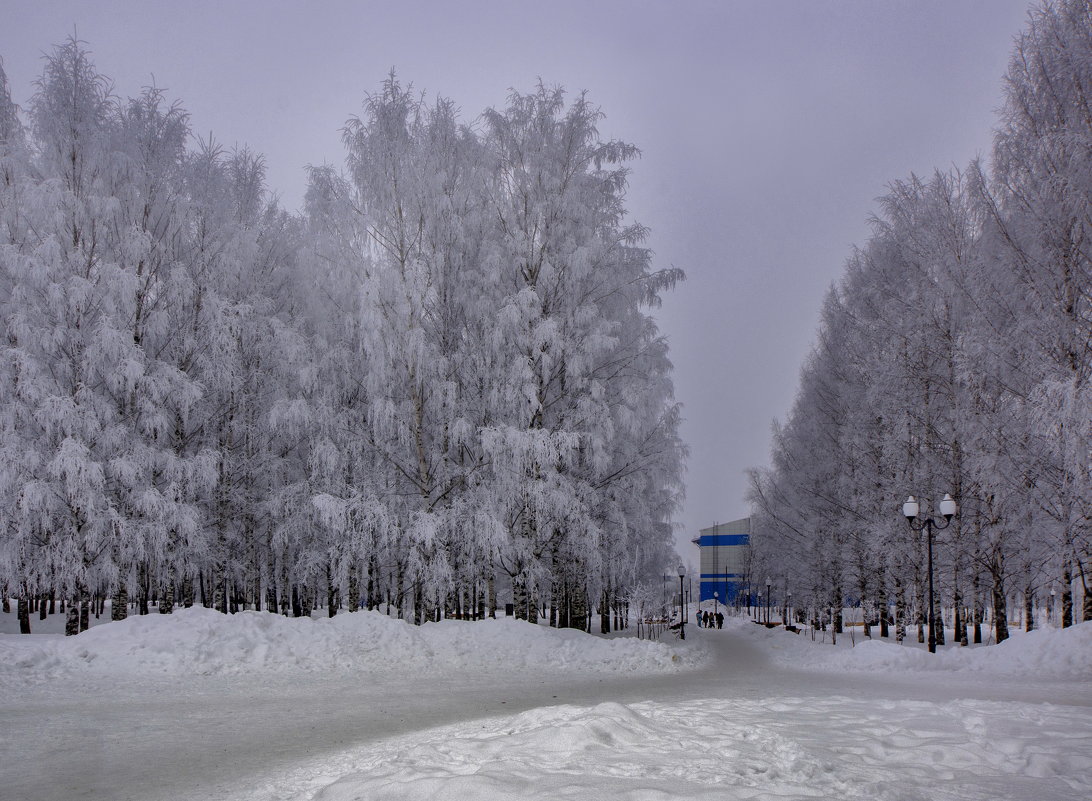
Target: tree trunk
[142, 580]
[400, 589]
[979, 611]
[219, 590]
[1029, 609]
[564, 611]
[884, 606]
[578, 611]
[284, 591]
[166, 593]
[354, 588]
[836, 620]
[284, 596]
[1000, 612]
[307, 600]
[1067, 597]
[418, 607]
[938, 616]
[72, 621]
[519, 597]
[604, 612]
[331, 593]
[1086, 606]
[23, 607]
[119, 606]
[297, 609]
[900, 610]
[959, 623]
[532, 604]
[273, 579]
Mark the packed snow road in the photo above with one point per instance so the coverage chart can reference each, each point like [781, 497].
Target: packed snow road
[738, 715]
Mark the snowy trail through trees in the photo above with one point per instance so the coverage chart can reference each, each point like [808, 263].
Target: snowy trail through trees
[280, 736]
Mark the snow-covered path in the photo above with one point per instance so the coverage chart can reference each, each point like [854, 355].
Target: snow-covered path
[741, 720]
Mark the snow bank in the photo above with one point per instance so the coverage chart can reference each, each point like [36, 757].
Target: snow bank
[1053, 654]
[712, 750]
[202, 641]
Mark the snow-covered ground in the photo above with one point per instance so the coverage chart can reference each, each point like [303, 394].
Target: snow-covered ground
[202, 706]
[719, 749]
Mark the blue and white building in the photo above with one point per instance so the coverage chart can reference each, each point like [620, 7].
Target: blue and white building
[724, 560]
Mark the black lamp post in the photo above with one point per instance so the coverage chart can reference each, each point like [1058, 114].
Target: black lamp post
[911, 509]
[767, 599]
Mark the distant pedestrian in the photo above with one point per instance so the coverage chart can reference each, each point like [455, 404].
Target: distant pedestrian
[720, 620]
[699, 618]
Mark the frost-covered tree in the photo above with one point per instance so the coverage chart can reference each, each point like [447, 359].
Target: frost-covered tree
[16, 553]
[1040, 228]
[130, 264]
[413, 181]
[444, 373]
[571, 272]
[63, 350]
[953, 357]
[512, 392]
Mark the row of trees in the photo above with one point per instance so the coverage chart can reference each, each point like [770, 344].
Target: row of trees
[441, 375]
[956, 356]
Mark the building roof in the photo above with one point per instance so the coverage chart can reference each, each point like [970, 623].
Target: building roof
[735, 527]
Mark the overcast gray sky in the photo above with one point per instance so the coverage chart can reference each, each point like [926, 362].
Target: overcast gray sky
[767, 131]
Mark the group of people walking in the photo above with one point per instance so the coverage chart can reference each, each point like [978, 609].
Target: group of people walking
[710, 620]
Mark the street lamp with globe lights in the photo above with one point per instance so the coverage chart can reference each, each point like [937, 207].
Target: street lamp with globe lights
[911, 510]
